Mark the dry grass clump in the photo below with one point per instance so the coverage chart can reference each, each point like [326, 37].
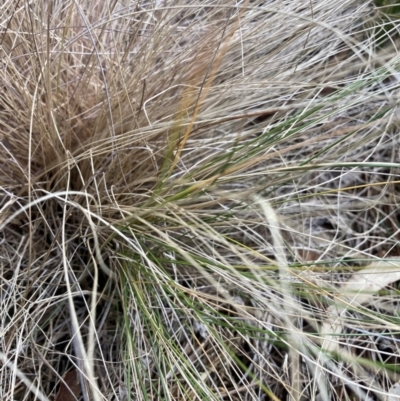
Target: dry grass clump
[198, 201]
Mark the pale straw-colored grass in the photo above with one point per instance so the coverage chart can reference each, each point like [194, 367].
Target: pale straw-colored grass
[198, 200]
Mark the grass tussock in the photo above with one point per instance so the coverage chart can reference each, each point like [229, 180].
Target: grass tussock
[199, 200]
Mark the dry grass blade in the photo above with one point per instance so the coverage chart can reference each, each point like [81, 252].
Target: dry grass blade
[358, 290]
[189, 192]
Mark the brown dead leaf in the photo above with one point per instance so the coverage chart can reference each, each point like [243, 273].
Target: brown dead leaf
[70, 389]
